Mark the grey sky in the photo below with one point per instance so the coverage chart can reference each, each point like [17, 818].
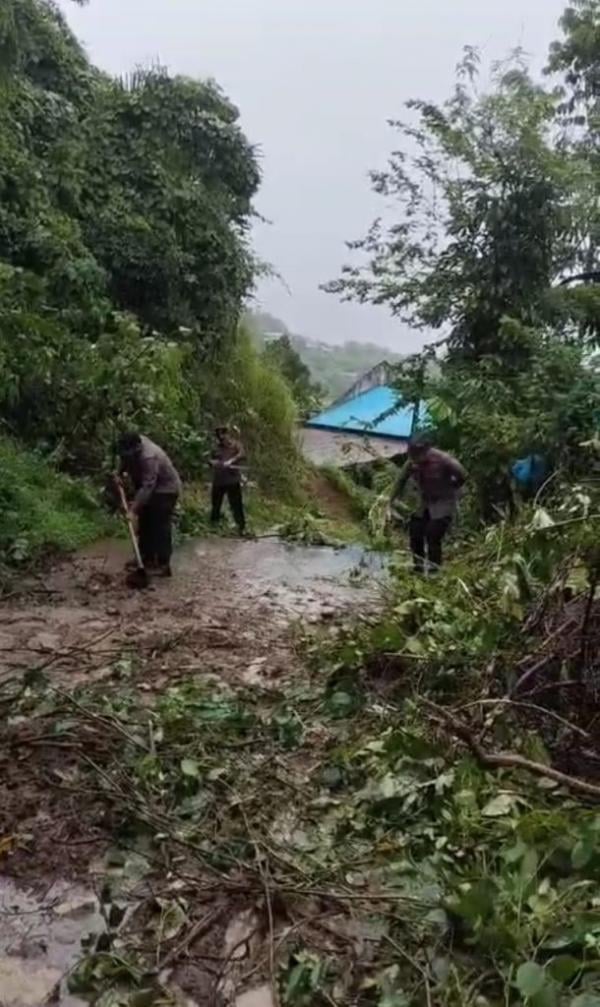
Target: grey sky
[315, 81]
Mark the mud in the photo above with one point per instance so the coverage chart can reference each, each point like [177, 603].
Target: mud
[227, 610]
[40, 941]
[231, 610]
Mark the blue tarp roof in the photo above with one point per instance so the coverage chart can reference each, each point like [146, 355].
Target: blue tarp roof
[360, 415]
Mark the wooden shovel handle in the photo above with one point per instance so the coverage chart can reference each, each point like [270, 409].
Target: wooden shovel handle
[131, 529]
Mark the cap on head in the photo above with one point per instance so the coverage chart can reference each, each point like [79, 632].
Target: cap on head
[222, 430]
[129, 443]
[419, 446]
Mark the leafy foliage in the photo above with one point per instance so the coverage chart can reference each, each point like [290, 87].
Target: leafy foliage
[124, 259]
[576, 57]
[536, 394]
[42, 512]
[334, 367]
[244, 389]
[282, 355]
[138, 190]
[490, 212]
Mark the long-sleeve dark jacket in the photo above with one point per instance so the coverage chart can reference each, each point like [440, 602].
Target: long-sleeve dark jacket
[230, 474]
[439, 478]
[152, 473]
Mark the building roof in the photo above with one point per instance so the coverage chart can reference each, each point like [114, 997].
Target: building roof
[362, 414]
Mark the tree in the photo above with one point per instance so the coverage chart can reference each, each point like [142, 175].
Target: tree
[577, 57]
[124, 252]
[307, 394]
[490, 212]
[135, 194]
[168, 221]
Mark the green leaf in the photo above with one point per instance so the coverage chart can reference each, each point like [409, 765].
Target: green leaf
[563, 968]
[529, 866]
[500, 805]
[341, 704]
[477, 902]
[547, 997]
[189, 767]
[583, 852]
[586, 1000]
[531, 979]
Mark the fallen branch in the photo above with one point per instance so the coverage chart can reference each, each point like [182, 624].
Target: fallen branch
[105, 722]
[497, 703]
[509, 760]
[567, 683]
[199, 928]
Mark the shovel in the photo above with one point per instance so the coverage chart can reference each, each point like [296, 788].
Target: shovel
[137, 578]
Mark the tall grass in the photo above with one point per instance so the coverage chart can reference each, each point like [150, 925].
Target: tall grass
[42, 510]
[246, 391]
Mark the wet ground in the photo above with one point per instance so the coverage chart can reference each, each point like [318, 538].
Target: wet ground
[232, 610]
[40, 941]
[229, 606]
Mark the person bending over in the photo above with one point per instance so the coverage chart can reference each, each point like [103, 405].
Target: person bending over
[439, 478]
[157, 487]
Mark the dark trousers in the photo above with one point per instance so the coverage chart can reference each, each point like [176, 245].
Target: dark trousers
[236, 503]
[155, 529]
[426, 537]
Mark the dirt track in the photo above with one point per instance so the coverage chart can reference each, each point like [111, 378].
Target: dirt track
[228, 611]
[231, 611]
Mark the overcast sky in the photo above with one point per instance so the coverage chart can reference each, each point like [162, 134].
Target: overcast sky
[315, 81]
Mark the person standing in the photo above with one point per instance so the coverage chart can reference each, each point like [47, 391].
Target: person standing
[439, 478]
[157, 487]
[226, 461]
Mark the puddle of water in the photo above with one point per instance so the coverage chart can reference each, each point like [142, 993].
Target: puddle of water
[40, 941]
[269, 561]
[262, 996]
[263, 567]
[286, 571]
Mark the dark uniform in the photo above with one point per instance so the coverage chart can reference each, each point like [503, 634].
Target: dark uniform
[157, 488]
[439, 478]
[227, 456]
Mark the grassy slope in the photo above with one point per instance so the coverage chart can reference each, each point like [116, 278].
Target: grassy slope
[41, 510]
[321, 511]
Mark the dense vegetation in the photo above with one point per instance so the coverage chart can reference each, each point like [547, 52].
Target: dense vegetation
[438, 841]
[493, 665]
[334, 367]
[497, 206]
[124, 259]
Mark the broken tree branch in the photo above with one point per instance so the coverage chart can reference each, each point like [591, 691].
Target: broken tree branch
[508, 760]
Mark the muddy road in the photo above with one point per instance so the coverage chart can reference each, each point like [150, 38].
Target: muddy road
[232, 611]
[229, 609]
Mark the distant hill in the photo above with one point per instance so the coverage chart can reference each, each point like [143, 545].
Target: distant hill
[334, 367]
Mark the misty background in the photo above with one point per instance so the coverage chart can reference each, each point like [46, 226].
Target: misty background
[316, 82]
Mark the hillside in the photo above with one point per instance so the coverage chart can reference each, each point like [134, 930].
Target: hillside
[124, 261]
[335, 367]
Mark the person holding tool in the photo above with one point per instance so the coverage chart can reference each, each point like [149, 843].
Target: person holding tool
[157, 487]
[226, 459]
[439, 478]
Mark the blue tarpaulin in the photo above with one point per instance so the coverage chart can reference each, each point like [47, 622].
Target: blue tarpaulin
[362, 415]
[530, 472]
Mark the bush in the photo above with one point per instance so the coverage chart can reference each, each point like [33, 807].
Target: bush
[42, 510]
[244, 390]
